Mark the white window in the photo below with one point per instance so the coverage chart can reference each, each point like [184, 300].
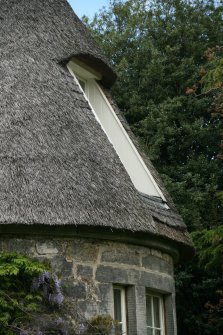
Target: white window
[106, 116]
[82, 82]
[120, 309]
[154, 314]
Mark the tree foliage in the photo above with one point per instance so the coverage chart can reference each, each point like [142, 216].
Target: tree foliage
[17, 301]
[200, 284]
[211, 83]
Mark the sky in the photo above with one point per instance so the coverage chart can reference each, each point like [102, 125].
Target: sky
[87, 7]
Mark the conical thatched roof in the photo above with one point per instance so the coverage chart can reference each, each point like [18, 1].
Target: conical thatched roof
[57, 166]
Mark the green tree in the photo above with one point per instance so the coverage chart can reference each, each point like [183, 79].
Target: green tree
[202, 279]
[199, 286]
[211, 84]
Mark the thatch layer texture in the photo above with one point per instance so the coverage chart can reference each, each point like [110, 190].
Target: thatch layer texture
[57, 166]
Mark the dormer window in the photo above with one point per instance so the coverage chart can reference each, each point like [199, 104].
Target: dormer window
[82, 83]
[140, 175]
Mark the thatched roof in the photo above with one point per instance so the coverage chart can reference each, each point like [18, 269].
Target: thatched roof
[57, 166]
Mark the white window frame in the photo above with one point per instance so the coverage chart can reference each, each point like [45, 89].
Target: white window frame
[123, 321]
[153, 295]
[136, 168]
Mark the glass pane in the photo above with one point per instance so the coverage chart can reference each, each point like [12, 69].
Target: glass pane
[117, 305]
[156, 308]
[150, 331]
[149, 311]
[157, 332]
[82, 83]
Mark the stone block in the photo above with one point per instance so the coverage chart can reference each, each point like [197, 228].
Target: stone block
[109, 274]
[121, 256]
[105, 292]
[156, 253]
[81, 251]
[155, 281]
[140, 295]
[61, 266]
[87, 308]
[84, 271]
[132, 309]
[46, 248]
[157, 264]
[74, 289]
[21, 246]
[169, 303]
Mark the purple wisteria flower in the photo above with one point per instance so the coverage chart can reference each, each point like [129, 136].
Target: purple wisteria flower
[57, 283]
[40, 280]
[51, 287]
[46, 276]
[56, 298]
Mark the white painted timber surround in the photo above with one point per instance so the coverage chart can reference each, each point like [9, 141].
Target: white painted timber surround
[123, 321]
[117, 135]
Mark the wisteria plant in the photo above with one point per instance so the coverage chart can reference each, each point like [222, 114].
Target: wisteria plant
[32, 302]
[31, 298]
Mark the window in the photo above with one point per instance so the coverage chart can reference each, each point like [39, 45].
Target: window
[82, 83]
[154, 314]
[120, 309]
[140, 175]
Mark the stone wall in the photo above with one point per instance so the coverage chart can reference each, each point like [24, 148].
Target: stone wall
[89, 268]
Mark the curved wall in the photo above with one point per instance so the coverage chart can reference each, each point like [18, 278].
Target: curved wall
[89, 268]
